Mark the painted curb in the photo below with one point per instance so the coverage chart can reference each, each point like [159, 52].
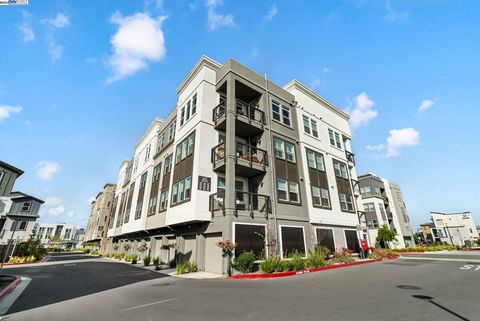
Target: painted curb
[11, 286]
[309, 270]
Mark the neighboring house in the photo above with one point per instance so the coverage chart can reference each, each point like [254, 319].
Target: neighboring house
[455, 228]
[242, 159]
[8, 175]
[429, 234]
[100, 209]
[383, 204]
[58, 235]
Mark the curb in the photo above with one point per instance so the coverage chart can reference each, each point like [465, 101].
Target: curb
[11, 286]
[309, 270]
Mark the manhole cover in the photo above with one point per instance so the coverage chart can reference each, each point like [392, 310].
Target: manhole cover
[409, 287]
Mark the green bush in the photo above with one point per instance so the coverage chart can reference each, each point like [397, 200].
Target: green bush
[286, 266]
[186, 267]
[156, 261]
[95, 252]
[298, 262]
[316, 259]
[272, 264]
[323, 250]
[134, 259]
[244, 262]
[146, 260]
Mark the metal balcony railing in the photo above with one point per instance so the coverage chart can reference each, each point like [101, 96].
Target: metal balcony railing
[249, 111]
[245, 201]
[350, 157]
[244, 153]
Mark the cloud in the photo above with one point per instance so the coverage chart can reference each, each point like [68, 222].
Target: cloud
[7, 111]
[254, 52]
[71, 214]
[272, 12]
[393, 14]
[215, 19]
[55, 205]
[398, 139]
[60, 21]
[46, 170]
[27, 31]
[362, 111]
[55, 50]
[425, 104]
[138, 40]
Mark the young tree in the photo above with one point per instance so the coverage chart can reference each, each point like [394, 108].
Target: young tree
[385, 235]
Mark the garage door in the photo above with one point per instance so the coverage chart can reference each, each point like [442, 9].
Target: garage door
[213, 254]
[190, 249]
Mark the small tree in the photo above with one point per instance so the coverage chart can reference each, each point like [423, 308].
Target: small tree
[142, 248]
[385, 235]
[127, 247]
[227, 247]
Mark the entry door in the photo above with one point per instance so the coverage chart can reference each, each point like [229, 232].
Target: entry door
[213, 254]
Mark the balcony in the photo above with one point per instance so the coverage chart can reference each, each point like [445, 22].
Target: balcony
[350, 157]
[246, 202]
[250, 161]
[356, 187]
[249, 120]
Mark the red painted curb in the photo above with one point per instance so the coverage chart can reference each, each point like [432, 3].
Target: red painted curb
[11, 286]
[309, 270]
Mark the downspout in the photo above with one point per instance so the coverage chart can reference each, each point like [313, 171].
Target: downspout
[274, 204]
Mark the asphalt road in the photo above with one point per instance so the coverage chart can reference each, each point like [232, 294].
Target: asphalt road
[392, 290]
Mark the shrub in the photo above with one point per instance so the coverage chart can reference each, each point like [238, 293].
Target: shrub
[244, 262]
[156, 261]
[95, 252]
[343, 256]
[186, 267]
[315, 259]
[286, 265]
[272, 264]
[298, 262]
[33, 247]
[383, 253]
[323, 250]
[134, 259]
[146, 260]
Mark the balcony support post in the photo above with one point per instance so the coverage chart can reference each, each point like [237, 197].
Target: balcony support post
[230, 148]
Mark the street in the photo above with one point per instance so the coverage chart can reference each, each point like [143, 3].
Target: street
[401, 289]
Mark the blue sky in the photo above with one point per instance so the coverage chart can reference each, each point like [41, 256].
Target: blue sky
[77, 90]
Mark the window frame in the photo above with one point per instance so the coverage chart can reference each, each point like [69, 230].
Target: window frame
[288, 191]
[283, 114]
[28, 208]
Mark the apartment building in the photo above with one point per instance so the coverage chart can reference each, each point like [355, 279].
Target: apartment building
[242, 159]
[60, 235]
[455, 228]
[383, 204]
[8, 176]
[100, 210]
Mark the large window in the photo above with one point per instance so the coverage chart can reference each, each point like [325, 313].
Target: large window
[334, 138]
[315, 160]
[370, 215]
[310, 126]
[287, 191]
[181, 191]
[143, 180]
[284, 150]
[147, 152]
[138, 210]
[320, 197]
[152, 205]
[168, 164]
[185, 148]
[156, 172]
[250, 238]
[340, 169]
[163, 201]
[281, 113]
[325, 238]
[352, 240]
[293, 241]
[346, 202]
[188, 110]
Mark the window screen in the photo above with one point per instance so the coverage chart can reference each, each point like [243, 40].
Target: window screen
[352, 240]
[292, 240]
[250, 238]
[325, 238]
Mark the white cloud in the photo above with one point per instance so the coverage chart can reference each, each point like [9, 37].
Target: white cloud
[55, 205]
[46, 170]
[362, 111]
[55, 50]
[60, 21]
[7, 111]
[393, 14]
[215, 19]
[426, 104]
[138, 40]
[398, 139]
[272, 12]
[53, 201]
[71, 214]
[27, 31]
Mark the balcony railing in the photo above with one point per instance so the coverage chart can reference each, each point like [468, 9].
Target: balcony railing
[245, 155]
[250, 112]
[244, 201]
[350, 157]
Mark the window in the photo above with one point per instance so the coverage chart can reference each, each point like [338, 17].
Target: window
[382, 211]
[346, 202]
[152, 205]
[306, 125]
[288, 191]
[320, 197]
[147, 153]
[143, 180]
[284, 150]
[160, 142]
[23, 225]
[310, 126]
[182, 116]
[352, 240]
[293, 241]
[340, 169]
[172, 128]
[194, 104]
[135, 166]
[26, 207]
[163, 201]
[174, 193]
[279, 148]
[314, 128]
[188, 183]
[315, 160]
[168, 165]
[334, 138]
[188, 110]
[156, 172]
[138, 210]
[181, 190]
[250, 238]
[281, 113]
[185, 148]
[325, 238]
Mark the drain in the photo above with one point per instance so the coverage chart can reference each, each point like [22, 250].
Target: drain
[409, 287]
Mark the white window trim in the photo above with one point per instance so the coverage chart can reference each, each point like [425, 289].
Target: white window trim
[326, 228]
[281, 105]
[257, 224]
[281, 243]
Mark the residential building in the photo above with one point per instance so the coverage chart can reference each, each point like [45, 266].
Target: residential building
[8, 176]
[429, 234]
[235, 160]
[455, 228]
[383, 204]
[59, 235]
[100, 209]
